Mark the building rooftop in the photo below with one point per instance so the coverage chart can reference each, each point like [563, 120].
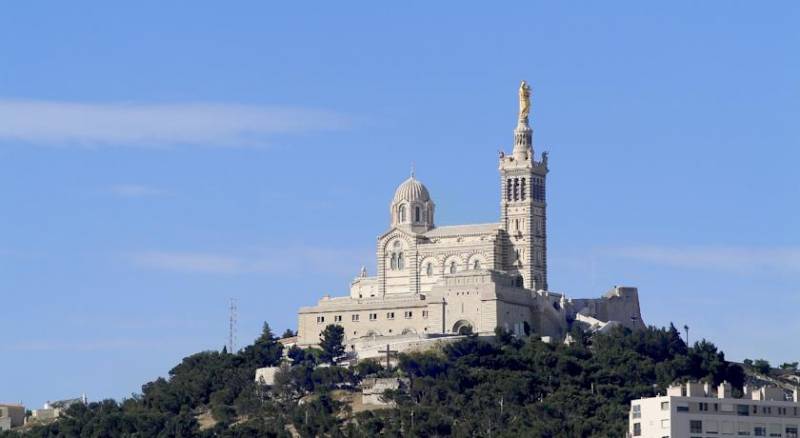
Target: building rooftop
[456, 230]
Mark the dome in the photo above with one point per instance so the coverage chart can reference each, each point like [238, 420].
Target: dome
[411, 190]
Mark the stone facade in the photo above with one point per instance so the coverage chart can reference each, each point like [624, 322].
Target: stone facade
[11, 415]
[443, 280]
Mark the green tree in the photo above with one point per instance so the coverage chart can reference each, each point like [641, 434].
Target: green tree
[265, 351]
[331, 341]
[762, 366]
[288, 334]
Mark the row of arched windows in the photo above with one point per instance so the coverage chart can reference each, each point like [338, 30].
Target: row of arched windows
[515, 189]
[452, 268]
[419, 214]
[397, 262]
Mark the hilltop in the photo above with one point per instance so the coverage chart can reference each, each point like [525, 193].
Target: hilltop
[475, 387]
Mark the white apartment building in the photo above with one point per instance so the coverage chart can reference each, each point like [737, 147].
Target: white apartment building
[695, 410]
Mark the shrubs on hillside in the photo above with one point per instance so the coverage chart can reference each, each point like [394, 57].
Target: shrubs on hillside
[471, 387]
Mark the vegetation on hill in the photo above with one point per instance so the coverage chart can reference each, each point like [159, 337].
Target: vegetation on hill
[510, 387]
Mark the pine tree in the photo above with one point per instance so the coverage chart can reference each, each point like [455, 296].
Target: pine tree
[331, 342]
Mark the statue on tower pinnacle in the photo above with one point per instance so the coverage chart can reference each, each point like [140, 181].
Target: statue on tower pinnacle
[523, 134]
[524, 102]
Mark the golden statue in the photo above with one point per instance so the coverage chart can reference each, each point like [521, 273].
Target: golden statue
[524, 100]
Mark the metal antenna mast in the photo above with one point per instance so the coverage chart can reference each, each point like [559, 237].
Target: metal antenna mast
[232, 327]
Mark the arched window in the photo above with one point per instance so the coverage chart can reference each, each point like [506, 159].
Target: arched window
[508, 189]
[476, 264]
[522, 189]
[452, 267]
[402, 213]
[429, 269]
[401, 264]
[393, 264]
[417, 214]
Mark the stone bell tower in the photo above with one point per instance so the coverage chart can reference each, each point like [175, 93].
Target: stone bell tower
[523, 208]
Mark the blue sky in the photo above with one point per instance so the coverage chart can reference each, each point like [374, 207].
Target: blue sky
[158, 158]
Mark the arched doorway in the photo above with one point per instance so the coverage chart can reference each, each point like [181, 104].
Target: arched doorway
[462, 327]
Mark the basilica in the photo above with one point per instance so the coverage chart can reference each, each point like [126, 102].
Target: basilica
[441, 281]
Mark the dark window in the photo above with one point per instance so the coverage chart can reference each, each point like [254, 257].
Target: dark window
[743, 410]
[516, 189]
[695, 426]
[637, 429]
[522, 190]
[416, 214]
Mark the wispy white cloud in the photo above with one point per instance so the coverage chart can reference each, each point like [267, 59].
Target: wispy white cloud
[740, 259]
[264, 261]
[135, 191]
[55, 123]
[90, 345]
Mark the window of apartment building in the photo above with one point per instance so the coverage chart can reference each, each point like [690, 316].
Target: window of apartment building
[727, 428]
[424, 313]
[683, 407]
[636, 411]
[760, 430]
[637, 429]
[408, 314]
[354, 318]
[373, 316]
[775, 429]
[320, 319]
[766, 410]
[742, 410]
[791, 431]
[716, 407]
[389, 315]
[712, 427]
[755, 409]
[695, 426]
[702, 406]
[665, 406]
[337, 318]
